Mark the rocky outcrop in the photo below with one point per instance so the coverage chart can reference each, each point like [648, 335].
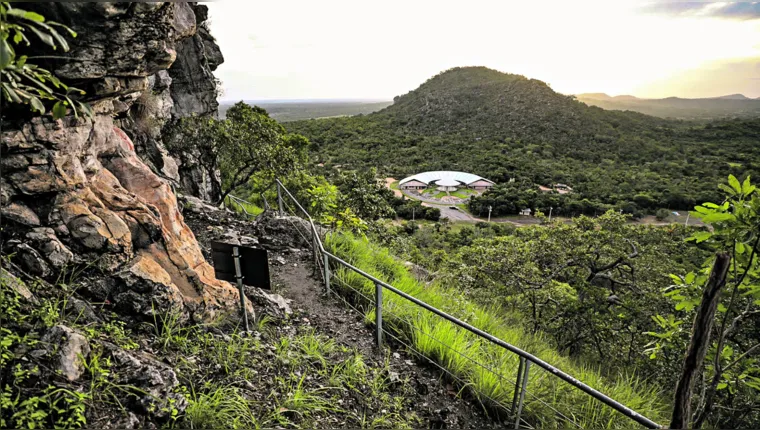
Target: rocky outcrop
[194, 92]
[69, 349]
[156, 61]
[75, 191]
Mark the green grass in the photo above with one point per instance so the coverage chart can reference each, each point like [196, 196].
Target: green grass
[394, 185]
[463, 193]
[433, 193]
[238, 206]
[218, 406]
[417, 326]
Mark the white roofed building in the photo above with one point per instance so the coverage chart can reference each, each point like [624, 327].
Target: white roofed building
[445, 181]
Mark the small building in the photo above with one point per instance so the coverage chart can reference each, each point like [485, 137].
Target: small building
[413, 185]
[445, 181]
[563, 188]
[526, 212]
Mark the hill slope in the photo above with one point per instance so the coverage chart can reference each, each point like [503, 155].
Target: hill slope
[730, 106]
[505, 126]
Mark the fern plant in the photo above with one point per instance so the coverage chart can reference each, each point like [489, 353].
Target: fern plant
[24, 83]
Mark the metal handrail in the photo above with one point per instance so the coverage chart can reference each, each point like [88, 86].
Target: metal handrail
[528, 357]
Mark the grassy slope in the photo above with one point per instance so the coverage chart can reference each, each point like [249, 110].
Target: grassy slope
[412, 324]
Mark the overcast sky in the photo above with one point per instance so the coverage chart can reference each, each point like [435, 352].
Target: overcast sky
[303, 49]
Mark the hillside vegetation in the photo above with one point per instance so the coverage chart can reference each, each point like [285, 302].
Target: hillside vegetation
[504, 126]
[733, 106]
[307, 109]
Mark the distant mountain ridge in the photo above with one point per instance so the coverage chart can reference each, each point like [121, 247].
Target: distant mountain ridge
[604, 96]
[728, 106]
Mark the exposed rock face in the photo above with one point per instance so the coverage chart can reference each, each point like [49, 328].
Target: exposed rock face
[156, 60]
[155, 379]
[276, 233]
[76, 191]
[69, 348]
[194, 92]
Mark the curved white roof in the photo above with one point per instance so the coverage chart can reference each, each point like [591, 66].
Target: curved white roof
[448, 178]
[448, 183]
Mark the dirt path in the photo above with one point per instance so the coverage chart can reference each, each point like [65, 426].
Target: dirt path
[437, 404]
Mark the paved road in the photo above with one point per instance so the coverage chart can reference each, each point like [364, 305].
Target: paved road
[452, 214]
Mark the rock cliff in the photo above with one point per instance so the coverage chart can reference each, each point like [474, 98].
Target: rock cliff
[97, 192]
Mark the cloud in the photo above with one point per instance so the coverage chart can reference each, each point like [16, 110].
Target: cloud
[739, 11]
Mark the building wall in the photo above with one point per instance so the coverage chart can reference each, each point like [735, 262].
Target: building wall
[413, 185]
[481, 185]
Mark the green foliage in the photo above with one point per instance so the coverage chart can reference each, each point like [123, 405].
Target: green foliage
[218, 405]
[662, 214]
[364, 194]
[24, 82]
[421, 329]
[246, 143]
[503, 126]
[729, 390]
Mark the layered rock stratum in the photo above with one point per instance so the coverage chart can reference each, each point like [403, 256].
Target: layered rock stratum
[98, 192]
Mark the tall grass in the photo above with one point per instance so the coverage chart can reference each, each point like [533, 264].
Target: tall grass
[488, 370]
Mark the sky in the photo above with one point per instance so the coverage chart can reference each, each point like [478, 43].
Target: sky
[370, 49]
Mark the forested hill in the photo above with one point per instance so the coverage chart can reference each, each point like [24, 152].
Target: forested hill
[504, 126]
[488, 103]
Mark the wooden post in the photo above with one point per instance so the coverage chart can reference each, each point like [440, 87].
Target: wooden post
[700, 340]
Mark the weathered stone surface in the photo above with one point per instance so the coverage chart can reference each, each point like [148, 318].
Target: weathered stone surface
[194, 92]
[70, 348]
[45, 241]
[93, 197]
[31, 260]
[118, 39]
[273, 304]
[17, 285]
[157, 380]
[193, 88]
[194, 204]
[21, 214]
[276, 233]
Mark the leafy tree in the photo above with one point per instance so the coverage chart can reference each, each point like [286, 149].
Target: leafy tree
[365, 195]
[730, 386]
[27, 83]
[662, 214]
[247, 142]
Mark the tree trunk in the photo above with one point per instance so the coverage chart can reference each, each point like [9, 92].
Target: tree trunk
[700, 340]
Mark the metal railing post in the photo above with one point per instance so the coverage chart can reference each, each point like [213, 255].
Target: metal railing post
[327, 274]
[518, 384]
[279, 198]
[315, 246]
[379, 315]
[522, 393]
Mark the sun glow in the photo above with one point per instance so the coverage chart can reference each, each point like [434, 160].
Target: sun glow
[348, 49]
